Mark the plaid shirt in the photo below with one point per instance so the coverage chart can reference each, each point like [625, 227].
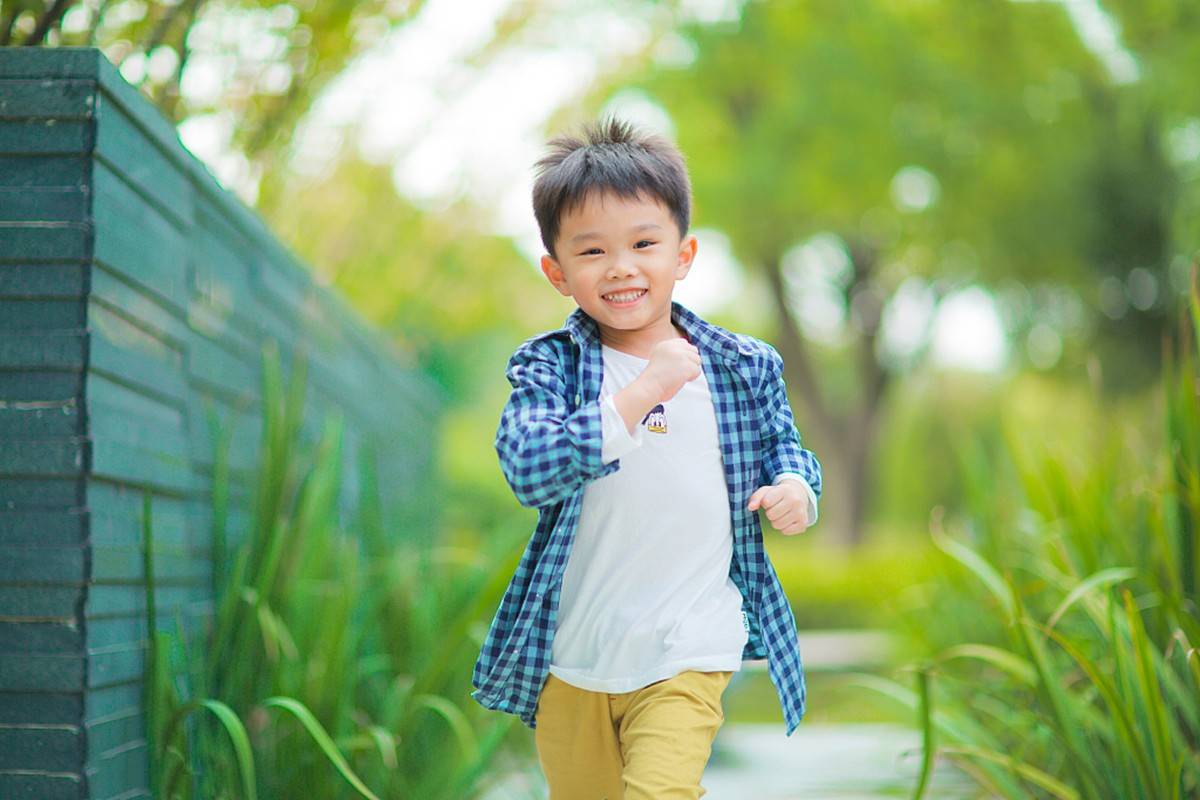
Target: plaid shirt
[549, 443]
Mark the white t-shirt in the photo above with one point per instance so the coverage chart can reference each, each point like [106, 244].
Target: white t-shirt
[646, 592]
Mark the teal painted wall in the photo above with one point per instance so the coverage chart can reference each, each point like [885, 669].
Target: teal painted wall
[133, 292]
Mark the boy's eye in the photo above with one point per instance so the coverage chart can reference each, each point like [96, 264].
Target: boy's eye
[592, 250]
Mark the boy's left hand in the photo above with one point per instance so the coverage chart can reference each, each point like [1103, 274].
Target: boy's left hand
[786, 504]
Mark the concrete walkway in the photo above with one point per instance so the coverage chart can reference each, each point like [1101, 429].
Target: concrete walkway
[817, 762]
[843, 761]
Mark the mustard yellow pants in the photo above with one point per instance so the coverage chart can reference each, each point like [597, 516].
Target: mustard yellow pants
[649, 744]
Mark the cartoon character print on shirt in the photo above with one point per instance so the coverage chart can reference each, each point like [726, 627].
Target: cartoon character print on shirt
[656, 420]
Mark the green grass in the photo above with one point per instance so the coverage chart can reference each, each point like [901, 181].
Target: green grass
[338, 660]
[1060, 642]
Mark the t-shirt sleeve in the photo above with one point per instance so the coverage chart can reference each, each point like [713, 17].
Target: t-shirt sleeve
[616, 440]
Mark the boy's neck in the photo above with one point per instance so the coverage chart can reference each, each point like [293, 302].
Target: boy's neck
[640, 342]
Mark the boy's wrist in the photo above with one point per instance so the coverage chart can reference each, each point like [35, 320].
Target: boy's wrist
[635, 401]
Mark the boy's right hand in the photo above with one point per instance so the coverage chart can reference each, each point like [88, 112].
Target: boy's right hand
[673, 362]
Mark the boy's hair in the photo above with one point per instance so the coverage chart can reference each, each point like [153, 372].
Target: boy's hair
[612, 156]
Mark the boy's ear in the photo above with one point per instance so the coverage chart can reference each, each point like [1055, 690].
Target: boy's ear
[687, 254]
[554, 274]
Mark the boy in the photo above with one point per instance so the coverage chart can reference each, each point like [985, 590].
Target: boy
[647, 438]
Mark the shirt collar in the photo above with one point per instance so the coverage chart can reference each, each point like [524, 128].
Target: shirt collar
[705, 336]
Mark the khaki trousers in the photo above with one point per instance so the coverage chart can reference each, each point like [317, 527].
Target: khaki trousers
[649, 744]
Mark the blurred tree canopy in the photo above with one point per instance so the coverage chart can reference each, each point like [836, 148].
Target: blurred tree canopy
[265, 62]
[275, 58]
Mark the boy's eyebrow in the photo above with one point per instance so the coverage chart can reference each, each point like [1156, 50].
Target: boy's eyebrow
[645, 226]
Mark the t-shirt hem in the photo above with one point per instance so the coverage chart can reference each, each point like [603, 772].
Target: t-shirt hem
[623, 685]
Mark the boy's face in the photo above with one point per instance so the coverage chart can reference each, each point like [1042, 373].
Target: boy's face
[611, 244]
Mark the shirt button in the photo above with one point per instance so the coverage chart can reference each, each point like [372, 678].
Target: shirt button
[577, 398]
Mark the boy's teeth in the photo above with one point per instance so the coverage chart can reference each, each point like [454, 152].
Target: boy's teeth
[625, 297]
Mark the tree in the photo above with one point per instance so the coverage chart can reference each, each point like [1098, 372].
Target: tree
[263, 63]
[1148, 174]
[947, 142]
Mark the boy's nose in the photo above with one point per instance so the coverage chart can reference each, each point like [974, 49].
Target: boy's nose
[621, 268]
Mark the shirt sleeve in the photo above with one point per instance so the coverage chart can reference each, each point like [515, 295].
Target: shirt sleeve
[616, 438]
[812, 496]
[546, 449]
[782, 450]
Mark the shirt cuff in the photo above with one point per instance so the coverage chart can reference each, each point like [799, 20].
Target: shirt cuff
[616, 440]
[812, 496]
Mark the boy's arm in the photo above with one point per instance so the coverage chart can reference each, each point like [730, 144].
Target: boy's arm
[545, 450]
[783, 456]
[617, 439]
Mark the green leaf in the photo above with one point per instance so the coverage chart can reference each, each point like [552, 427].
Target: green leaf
[978, 565]
[1031, 773]
[236, 731]
[1131, 739]
[1100, 579]
[925, 704]
[1151, 693]
[323, 740]
[1058, 703]
[1010, 662]
[454, 718]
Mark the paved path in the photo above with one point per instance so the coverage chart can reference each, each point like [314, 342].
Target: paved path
[842, 761]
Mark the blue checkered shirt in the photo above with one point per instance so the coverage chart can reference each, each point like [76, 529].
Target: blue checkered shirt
[549, 443]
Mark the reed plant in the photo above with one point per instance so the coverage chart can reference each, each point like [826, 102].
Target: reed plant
[338, 658]
[1063, 626]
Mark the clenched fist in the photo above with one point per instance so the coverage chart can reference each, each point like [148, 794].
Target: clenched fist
[673, 362]
[786, 504]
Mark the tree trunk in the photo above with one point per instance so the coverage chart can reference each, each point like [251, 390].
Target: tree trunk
[843, 442]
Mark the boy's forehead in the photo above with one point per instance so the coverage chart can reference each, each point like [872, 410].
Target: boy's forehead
[609, 208]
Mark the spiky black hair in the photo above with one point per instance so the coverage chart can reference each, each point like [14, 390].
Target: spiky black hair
[608, 156]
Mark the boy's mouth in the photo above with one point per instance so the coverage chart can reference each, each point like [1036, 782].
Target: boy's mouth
[624, 299]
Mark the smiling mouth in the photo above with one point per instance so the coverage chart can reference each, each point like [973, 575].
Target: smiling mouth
[622, 299]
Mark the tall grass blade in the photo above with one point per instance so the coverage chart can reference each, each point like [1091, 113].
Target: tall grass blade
[1055, 787]
[1103, 578]
[1010, 662]
[1131, 741]
[958, 725]
[924, 704]
[490, 742]
[324, 742]
[1151, 694]
[454, 718]
[1058, 703]
[237, 736]
[386, 743]
[977, 564]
